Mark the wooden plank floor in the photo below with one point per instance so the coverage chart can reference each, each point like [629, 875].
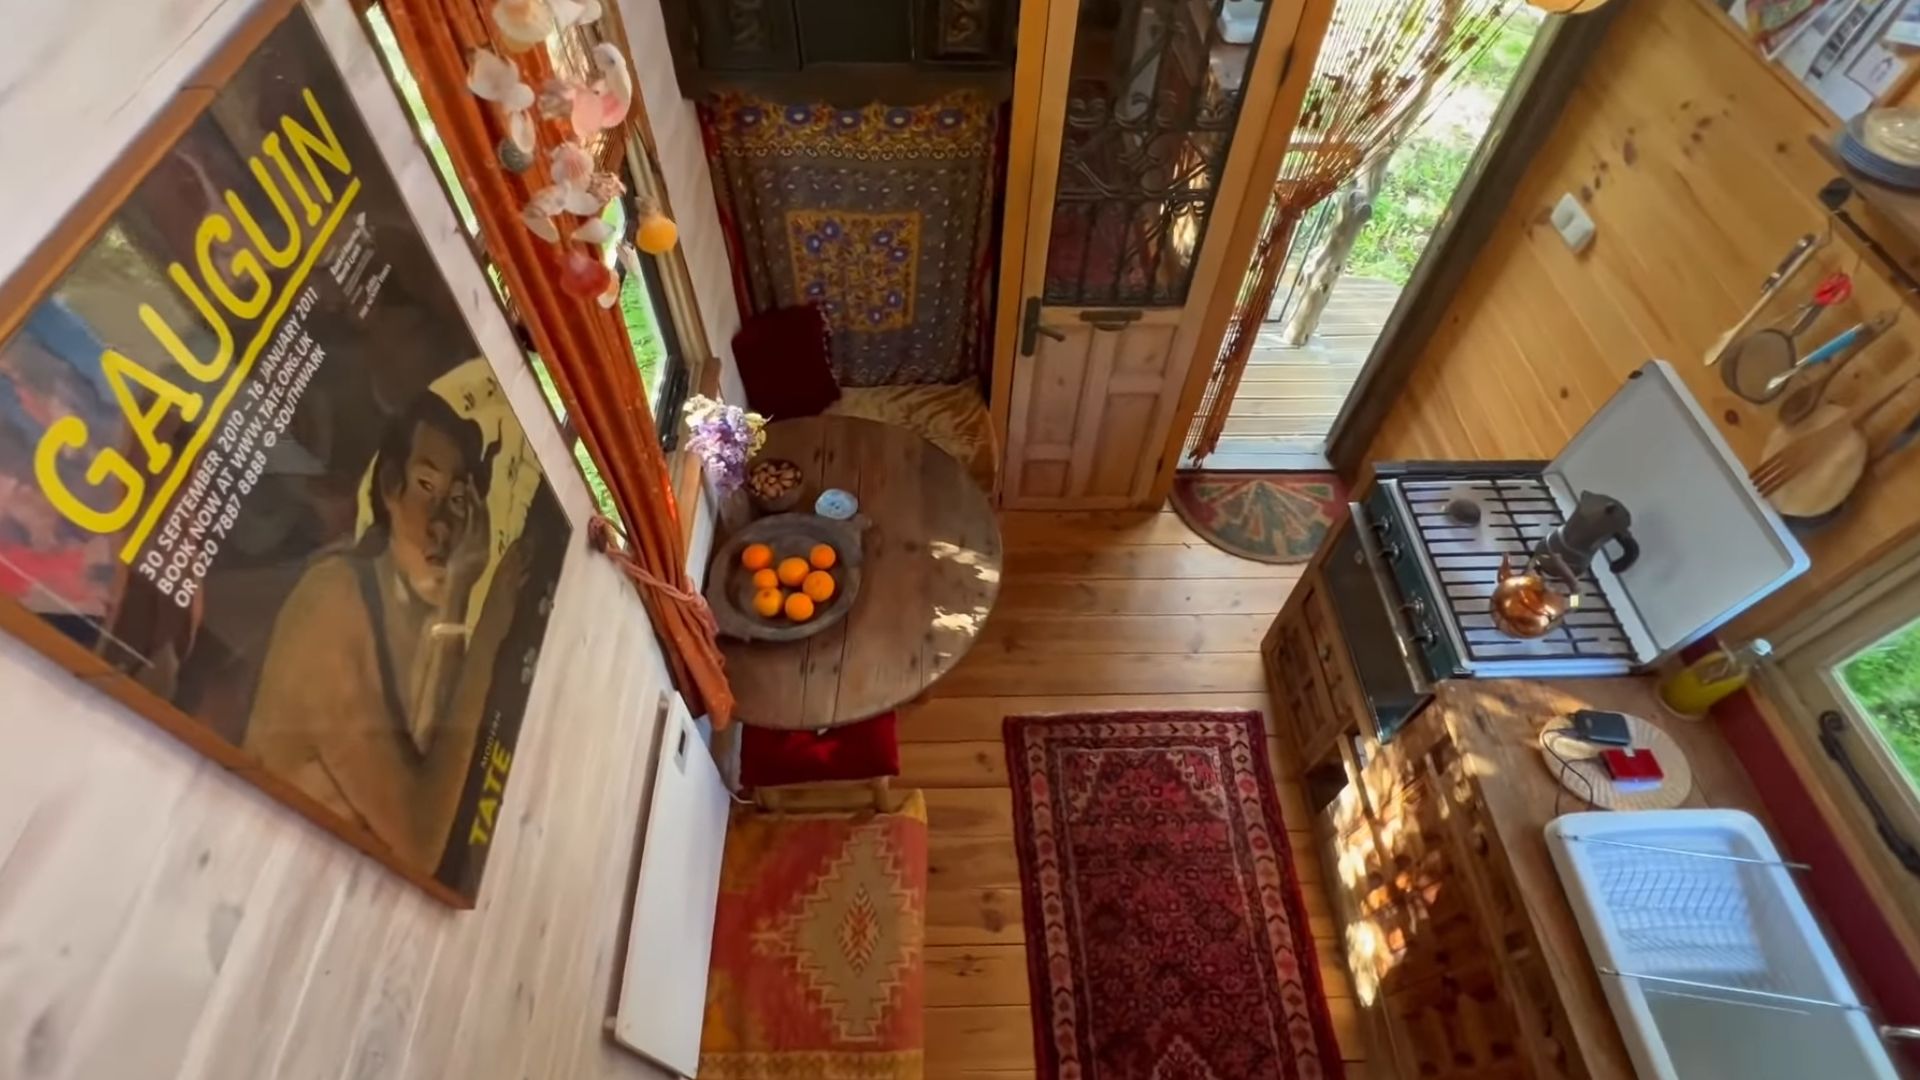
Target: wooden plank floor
[1103, 611]
[1288, 398]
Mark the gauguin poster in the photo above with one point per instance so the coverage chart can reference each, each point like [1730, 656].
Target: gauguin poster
[253, 461]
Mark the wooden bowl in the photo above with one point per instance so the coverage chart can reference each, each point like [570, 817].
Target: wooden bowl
[786, 500]
[730, 586]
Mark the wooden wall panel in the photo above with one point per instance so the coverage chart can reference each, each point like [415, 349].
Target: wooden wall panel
[1692, 158]
[159, 918]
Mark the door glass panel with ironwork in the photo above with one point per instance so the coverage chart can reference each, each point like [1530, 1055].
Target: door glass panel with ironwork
[1155, 89]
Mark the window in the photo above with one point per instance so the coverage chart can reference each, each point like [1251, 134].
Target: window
[1883, 683]
[652, 329]
[1848, 679]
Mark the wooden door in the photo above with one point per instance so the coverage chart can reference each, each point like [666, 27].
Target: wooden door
[1141, 120]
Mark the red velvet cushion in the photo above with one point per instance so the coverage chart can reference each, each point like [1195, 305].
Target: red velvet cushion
[785, 364]
[861, 751]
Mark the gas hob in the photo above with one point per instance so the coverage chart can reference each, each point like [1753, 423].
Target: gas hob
[1442, 540]
[1413, 579]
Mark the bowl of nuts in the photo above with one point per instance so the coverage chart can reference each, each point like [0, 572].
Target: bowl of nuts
[774, 485]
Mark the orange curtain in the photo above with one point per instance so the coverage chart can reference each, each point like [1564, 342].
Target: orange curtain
[584, 346]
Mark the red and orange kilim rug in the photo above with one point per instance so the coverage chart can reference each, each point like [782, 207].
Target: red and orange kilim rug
[1166, 936]
[817, 961]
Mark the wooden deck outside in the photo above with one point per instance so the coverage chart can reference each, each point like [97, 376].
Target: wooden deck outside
[1096, 612]
[1289, 397]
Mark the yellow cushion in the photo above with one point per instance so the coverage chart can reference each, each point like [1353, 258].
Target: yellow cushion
[953, 418]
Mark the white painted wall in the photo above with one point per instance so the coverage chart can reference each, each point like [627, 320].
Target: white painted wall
[160, 918]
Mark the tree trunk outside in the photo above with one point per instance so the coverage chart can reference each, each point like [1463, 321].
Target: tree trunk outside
[1323, 271]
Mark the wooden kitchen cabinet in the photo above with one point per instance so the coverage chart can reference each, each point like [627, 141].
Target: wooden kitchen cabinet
[1465, 956]
[1466, 959]
[1308, 669]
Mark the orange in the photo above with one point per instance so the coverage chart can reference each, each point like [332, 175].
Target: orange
[799, 607]
[823, 556]
[756, 556]
[766, 579]
[793, 572]
[767, 602]
[818, 586]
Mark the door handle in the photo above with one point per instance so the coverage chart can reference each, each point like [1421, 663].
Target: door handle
[1031, 328]
[1111, 318]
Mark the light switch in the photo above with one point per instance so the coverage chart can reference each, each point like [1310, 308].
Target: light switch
[1570, 220]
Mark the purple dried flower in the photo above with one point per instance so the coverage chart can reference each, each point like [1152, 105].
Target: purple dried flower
[724, 437]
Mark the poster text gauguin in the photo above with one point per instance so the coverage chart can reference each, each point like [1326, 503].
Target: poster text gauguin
[260, 281]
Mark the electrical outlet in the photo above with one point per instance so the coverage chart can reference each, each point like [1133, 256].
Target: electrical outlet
[1570, 220]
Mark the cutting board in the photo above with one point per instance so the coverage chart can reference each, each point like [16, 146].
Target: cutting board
[1824, 482]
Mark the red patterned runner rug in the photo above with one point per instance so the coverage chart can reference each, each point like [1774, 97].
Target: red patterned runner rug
[1166, 935]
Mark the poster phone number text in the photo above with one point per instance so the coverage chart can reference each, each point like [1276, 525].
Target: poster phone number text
[189, 538]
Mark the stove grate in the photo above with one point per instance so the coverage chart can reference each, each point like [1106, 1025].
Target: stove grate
[1514, 514]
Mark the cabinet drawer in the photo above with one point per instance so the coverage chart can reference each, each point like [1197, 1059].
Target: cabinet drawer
[1298, 682]
[1434, 901]
[1550, 1038]
[1373, 935]
[1345, 704]
[1459, 1027]
[1480, 858]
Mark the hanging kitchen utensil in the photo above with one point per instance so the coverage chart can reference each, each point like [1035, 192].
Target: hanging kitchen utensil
[1802, 399]
[1890, 438]
[1821, 482]
[1802, 253]
[1821, 440]
[1754, 363]
[1833, 289]
[1842, 343]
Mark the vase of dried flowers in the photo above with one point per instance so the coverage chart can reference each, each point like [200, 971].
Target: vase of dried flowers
[725, 437]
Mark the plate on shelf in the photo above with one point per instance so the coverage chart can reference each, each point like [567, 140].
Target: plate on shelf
[1893, 135]
[1863, 151]
[730, 586]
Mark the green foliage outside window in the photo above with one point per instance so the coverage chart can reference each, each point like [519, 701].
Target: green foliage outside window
[1428, 165]
[1884, 681]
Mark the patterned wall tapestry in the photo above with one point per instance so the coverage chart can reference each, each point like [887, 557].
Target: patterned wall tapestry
[882, 215]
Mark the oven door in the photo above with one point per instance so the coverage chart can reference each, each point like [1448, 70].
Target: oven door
[1366, 602]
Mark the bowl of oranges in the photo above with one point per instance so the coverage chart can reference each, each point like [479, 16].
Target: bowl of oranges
[785, 577]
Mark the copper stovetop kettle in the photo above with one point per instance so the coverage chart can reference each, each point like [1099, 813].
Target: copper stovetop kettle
[1530, 601]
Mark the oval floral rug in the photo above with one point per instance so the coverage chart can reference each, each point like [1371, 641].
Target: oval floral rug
[1269, 517]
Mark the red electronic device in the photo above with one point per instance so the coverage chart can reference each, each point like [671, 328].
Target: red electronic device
[1633, 770]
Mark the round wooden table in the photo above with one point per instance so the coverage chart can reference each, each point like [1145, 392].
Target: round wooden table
[931, 573]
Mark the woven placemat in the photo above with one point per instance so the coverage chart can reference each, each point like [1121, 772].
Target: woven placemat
[1578, 767]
